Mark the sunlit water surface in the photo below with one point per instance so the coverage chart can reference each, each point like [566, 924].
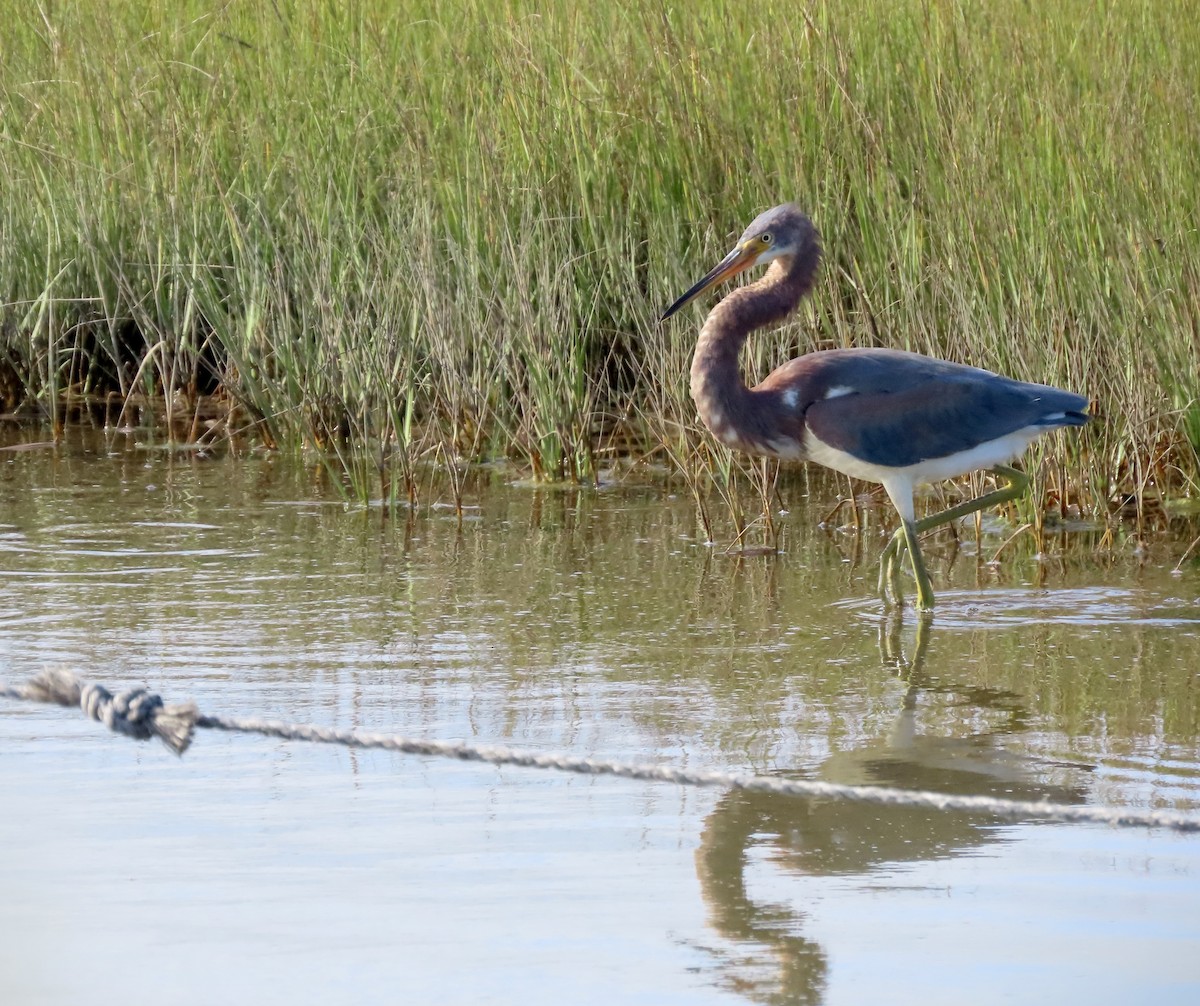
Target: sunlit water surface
[596, 623]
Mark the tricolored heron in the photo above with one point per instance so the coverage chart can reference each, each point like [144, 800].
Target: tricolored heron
[887, 416]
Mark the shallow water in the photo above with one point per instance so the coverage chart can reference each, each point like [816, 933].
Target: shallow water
[596, 623]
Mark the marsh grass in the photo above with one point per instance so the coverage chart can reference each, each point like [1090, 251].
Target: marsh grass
[442, 232]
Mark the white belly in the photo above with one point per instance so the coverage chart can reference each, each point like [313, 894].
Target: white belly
[900, 481]
[987, 455]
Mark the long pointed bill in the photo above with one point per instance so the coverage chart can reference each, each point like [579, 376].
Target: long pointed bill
[738, 260]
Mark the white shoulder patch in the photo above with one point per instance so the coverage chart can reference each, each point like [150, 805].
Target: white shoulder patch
[791, 398]
[838, 390]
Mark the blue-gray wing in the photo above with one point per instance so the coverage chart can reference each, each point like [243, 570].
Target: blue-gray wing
[938, 417]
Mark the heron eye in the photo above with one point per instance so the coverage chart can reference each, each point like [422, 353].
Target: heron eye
[766, 239]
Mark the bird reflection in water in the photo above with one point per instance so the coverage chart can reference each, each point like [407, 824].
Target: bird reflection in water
[768, 958]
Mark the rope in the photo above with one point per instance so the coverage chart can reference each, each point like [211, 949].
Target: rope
[142, 715]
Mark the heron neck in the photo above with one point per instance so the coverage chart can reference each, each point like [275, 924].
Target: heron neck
[717, 386]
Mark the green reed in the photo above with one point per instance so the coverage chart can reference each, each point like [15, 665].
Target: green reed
[443, 232]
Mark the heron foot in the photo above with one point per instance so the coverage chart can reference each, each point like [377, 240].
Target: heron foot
[890, 592]
[906, 537]
[890, 562]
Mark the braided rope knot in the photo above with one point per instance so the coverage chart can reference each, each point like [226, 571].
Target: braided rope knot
[136, 712]
[131, 712]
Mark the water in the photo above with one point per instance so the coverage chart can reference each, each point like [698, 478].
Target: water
[597, 623]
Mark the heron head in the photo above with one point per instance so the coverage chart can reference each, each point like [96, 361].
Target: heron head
[782, 232]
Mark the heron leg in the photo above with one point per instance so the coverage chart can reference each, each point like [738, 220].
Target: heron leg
[889, 571]
[924, 587]
[1018, 483]
[905, 536]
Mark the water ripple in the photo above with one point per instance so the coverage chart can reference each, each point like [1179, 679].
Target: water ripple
[1083, 606]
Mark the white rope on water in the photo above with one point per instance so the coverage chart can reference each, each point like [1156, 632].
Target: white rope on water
[141, 714]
